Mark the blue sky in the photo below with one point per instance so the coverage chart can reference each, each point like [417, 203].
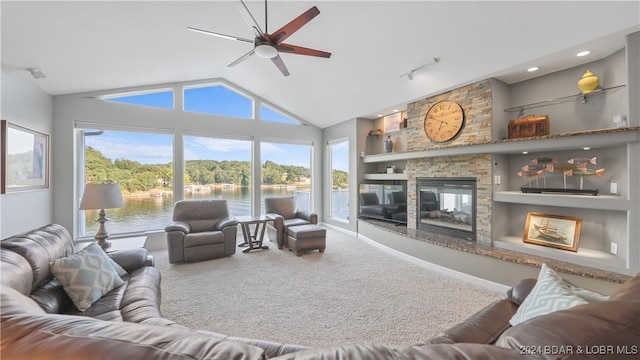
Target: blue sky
[217, 99]
[148, 148]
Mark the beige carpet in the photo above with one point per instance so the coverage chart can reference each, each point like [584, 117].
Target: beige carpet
[353, 293]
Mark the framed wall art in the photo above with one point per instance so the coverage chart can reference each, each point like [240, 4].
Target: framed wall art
[560, 232]
[24, 158]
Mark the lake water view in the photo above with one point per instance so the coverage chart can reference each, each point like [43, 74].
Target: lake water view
[145, 213]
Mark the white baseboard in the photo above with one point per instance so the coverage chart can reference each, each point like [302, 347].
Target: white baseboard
[341, 229]
[439, 269]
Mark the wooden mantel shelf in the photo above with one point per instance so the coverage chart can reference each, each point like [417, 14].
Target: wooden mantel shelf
[565, 141]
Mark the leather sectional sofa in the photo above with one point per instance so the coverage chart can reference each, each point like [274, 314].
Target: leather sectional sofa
[39, 320]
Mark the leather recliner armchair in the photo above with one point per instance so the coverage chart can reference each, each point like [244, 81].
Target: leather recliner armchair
[284, 212]
[201, 230]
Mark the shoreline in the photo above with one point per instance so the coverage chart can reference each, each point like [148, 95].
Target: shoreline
[209, 188]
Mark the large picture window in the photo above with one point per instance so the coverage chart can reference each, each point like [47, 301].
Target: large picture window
[141, 163]
[217, 168]
[286, 170]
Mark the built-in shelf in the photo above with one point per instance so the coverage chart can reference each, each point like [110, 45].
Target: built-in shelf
[393, 131]
[385, 176]
[566, 141]
[584, 256]
[582, 97]
[600, 202]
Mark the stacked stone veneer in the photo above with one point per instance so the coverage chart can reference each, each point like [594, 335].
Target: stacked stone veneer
[475, 100]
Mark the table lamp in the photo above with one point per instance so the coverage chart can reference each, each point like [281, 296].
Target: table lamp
[101, 196]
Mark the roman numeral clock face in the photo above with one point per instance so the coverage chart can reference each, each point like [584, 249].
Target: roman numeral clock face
[443, 121]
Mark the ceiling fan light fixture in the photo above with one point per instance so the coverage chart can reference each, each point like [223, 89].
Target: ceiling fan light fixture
[266, 50]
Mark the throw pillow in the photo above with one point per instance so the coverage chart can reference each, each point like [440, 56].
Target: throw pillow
[96, 249]
[86, 276]
[587, 295]
[548, 295]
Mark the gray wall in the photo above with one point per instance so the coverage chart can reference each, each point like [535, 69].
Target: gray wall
[596, 113]
[70, 109]
[24, 104]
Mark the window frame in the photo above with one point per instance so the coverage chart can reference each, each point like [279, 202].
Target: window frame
[329, 178]
[79, 128]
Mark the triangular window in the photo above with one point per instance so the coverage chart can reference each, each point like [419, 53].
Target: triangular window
[269, 114]
[218, 100]
[162, 99]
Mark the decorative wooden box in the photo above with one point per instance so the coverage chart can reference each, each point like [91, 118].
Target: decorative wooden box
[529, 126]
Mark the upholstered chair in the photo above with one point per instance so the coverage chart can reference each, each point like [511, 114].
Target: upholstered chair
[397, 201]
[201, 230]
[370, 206]
[429, 201]
[284, 212]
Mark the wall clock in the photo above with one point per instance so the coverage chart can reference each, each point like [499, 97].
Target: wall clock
[444, 120]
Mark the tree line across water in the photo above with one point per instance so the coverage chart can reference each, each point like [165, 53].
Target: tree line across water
[136, 177]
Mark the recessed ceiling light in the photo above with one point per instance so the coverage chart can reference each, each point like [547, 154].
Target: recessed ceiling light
[586, 148]
[525, 152]
[533, 68]
[395, 110]
[584, 53]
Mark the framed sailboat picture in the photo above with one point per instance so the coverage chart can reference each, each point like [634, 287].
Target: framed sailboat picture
[557, 231]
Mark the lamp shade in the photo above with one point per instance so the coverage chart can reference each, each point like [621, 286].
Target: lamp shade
[101, 196]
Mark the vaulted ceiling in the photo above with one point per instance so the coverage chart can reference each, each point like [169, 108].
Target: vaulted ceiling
[96, 45]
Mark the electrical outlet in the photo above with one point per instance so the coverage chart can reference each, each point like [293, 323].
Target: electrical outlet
[614, 248]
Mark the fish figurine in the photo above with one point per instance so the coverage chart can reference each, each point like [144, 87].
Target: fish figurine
[593, 161]
[547, 167]
[528, 173]
[545, 160]
[584, 172]
[562, 168]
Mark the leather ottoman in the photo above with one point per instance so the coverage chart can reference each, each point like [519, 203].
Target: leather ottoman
[306, 237]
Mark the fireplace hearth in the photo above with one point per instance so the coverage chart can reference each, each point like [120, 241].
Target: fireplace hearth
[447, 206]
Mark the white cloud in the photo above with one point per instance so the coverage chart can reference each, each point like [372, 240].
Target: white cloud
[221, 145]
[116, 148]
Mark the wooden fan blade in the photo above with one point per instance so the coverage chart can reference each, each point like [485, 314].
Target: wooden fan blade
[294, 25]
[241, 58]
[220, 35]
[294, 49]
[280, 64]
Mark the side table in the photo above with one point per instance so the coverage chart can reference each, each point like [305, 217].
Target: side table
[117, 244]
[253, 241]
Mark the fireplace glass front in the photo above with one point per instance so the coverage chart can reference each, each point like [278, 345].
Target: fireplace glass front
[447, 206]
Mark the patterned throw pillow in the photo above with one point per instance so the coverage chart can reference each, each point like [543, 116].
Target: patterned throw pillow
[548, 295]
[86, 276]
[96, 249]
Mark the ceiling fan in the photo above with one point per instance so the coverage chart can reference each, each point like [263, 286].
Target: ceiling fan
[268, 45]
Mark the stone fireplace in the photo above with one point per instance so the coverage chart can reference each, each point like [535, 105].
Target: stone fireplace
[475, 99]
[477, 167]
[447, 206]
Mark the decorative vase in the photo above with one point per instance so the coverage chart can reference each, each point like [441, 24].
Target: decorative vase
[388, 144]
[588, 83]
